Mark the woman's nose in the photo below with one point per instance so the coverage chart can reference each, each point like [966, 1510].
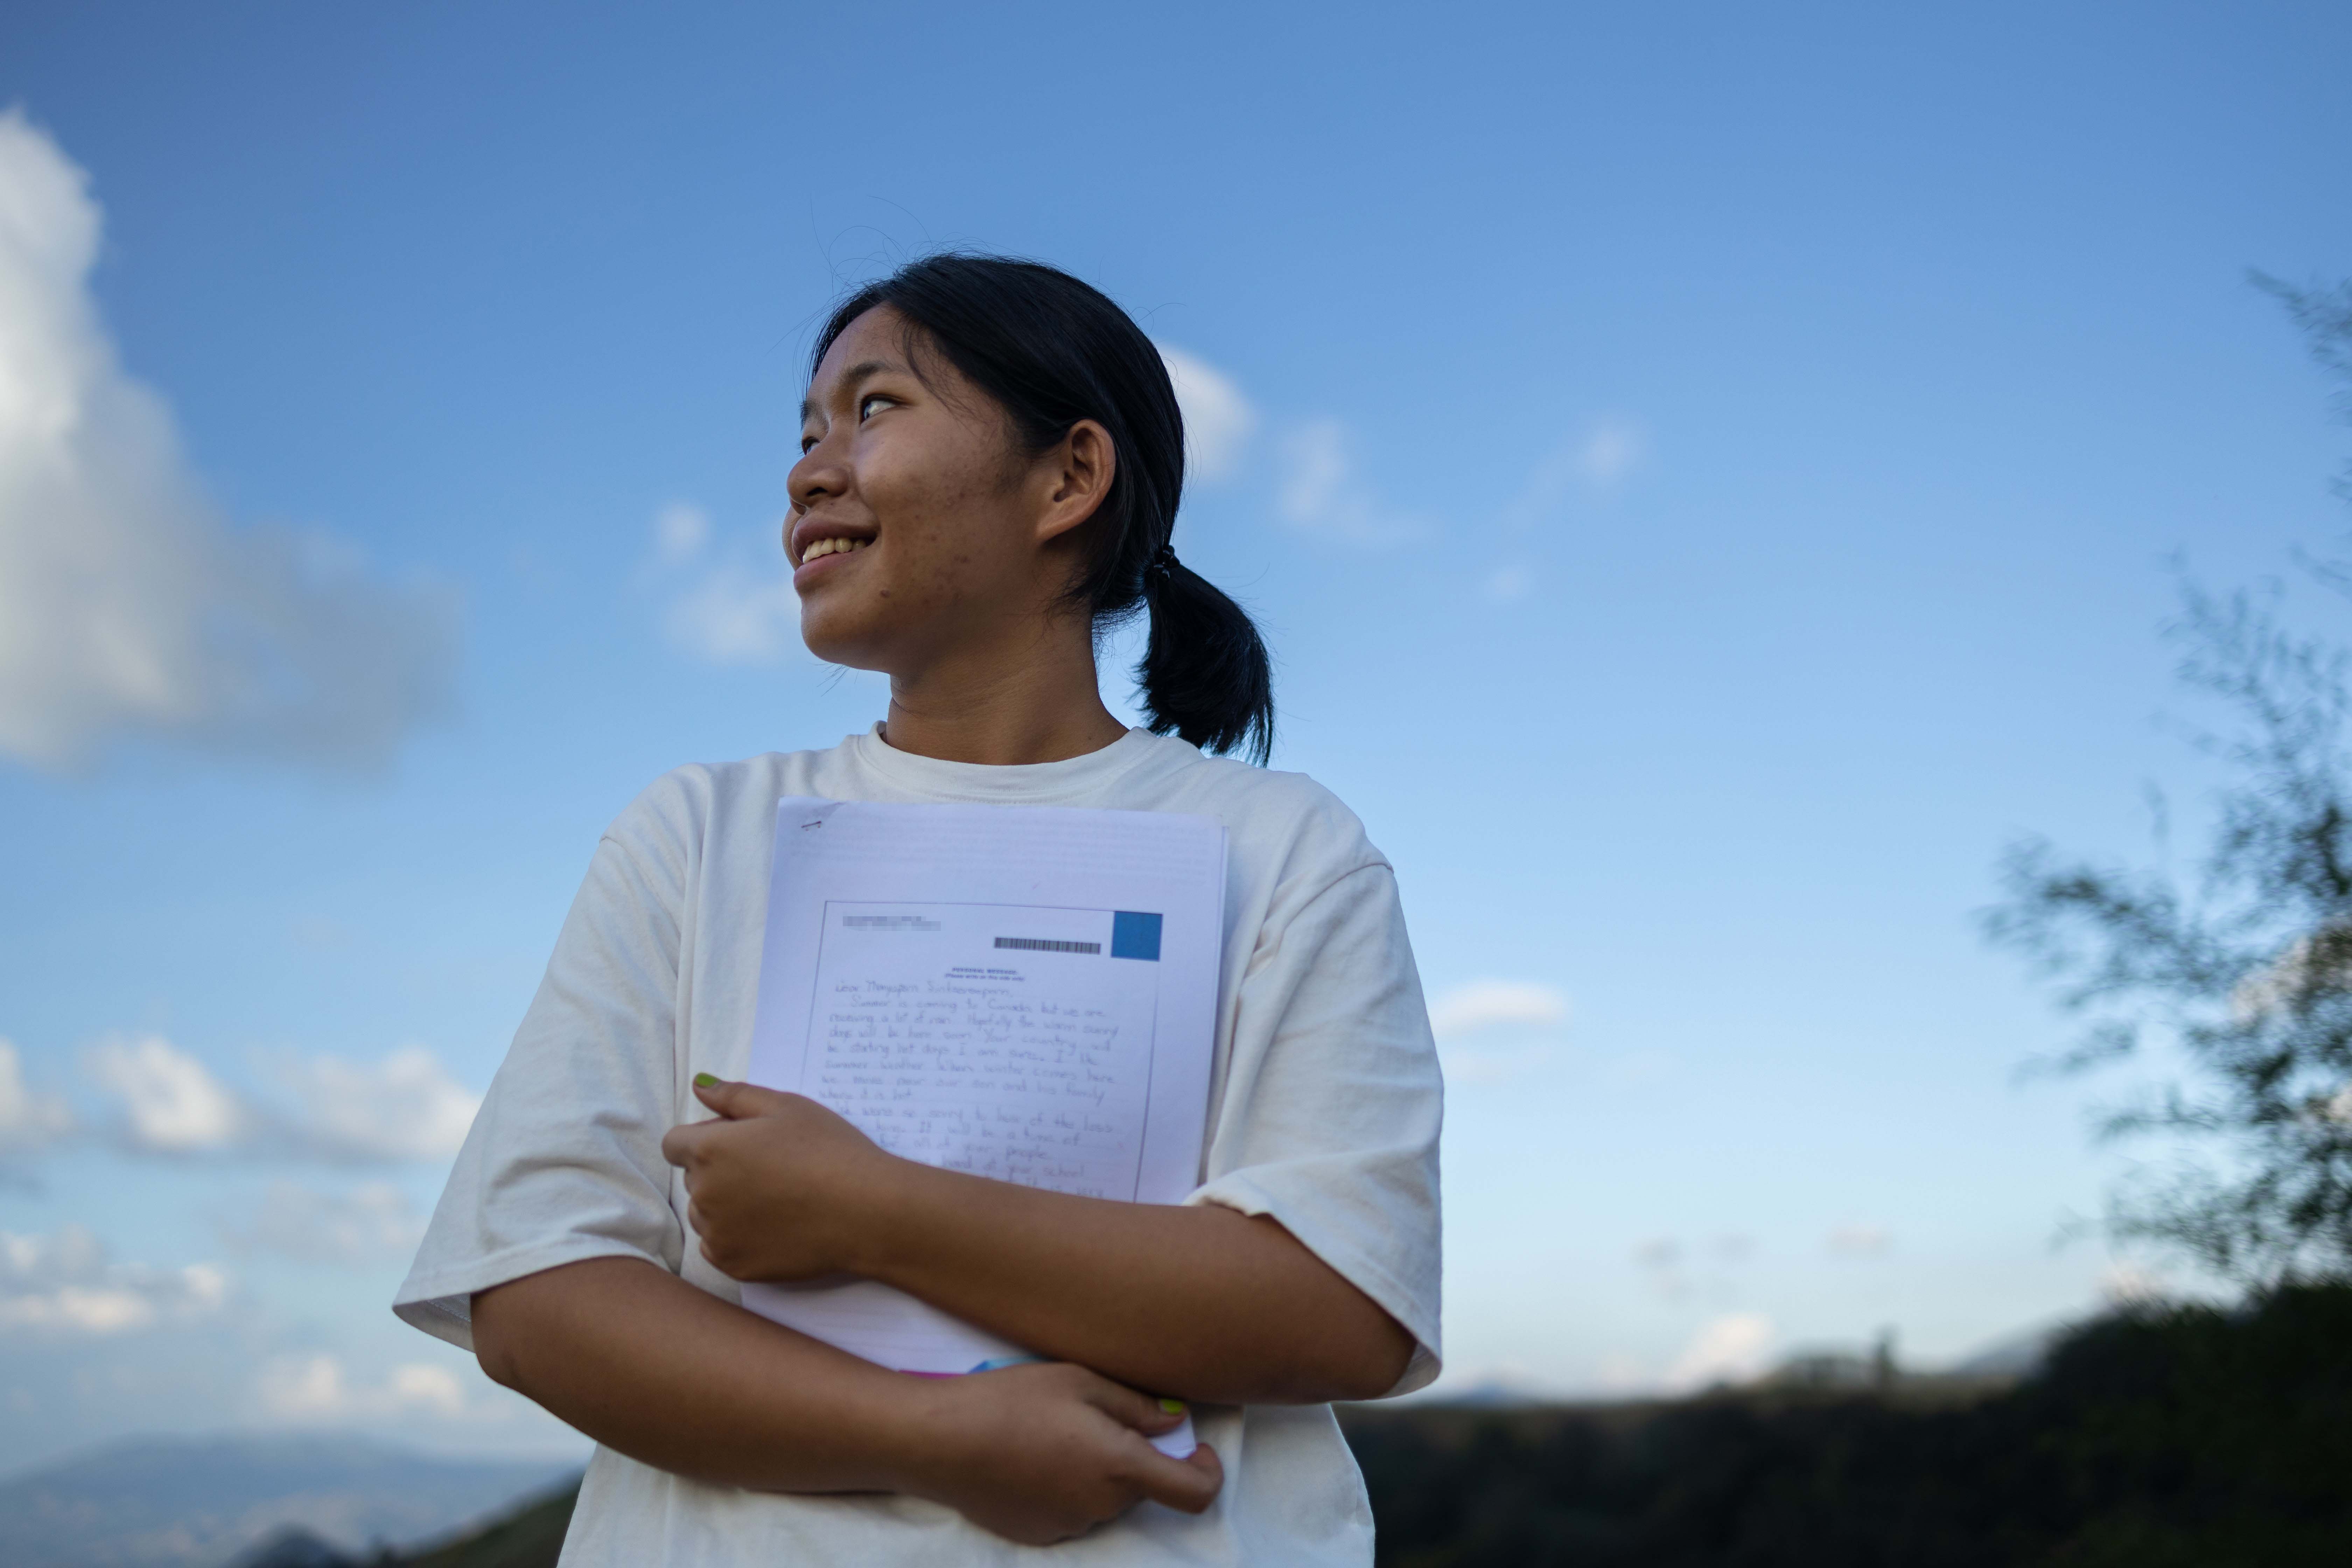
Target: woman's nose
[817, 474]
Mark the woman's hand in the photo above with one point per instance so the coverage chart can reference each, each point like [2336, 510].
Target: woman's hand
[782, 1188]
[1041, 1453]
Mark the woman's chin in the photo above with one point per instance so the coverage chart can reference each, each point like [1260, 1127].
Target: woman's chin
[836, 645]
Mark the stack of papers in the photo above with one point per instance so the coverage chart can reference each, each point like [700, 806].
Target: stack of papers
[1025, 993]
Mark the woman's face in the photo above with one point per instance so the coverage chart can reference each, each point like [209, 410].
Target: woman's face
[916, 524]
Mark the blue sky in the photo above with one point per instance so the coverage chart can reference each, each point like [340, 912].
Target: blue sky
[1708, 478]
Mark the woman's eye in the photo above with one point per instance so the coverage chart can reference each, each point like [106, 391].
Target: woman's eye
[866, 405]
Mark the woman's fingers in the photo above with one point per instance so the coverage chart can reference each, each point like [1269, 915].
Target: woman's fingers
[1042, 1452]
[1188, 1485]
[682, 1142]
[1123, 1405]
[736, 1101]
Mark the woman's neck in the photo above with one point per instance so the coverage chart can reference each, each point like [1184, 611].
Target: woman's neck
[1043, 705]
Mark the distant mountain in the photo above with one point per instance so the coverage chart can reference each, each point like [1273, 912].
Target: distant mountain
[295, 1547]
[529, 1535]
[2021, 1354]
[201, 1502]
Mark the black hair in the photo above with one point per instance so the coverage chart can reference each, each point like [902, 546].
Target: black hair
[1051, 350]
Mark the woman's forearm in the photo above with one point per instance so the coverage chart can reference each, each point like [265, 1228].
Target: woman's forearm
[669, 1374]
[1193, 1301]
[1197, 1301]
[647, 1364]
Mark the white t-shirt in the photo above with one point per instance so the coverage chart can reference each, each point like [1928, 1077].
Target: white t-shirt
[1323, 1113]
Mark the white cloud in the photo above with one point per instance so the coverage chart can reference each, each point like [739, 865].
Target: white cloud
[1610, 452]
[27, 1121]
[1488, 1004]
[738, 613]
[2309, 963]
[127, 605]
[681, 530]
[367, 1224]
[295, 1388]
[64, 1283]
[2123, 1283]
[1731, 1349]
[421, 1384]
[405, 1107]
[314, 1388]
[1861, 1241]
[1218, 419]
[2312, 965]
[1484, 1005]
[1322, 493]
[1596, 462]
[174, 1104]
[730, 602]
[1319, 469]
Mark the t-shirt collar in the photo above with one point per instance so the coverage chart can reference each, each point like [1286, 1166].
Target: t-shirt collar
[1016, 783]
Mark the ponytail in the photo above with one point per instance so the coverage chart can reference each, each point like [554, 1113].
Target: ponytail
[1204, 672]
[1052, 351]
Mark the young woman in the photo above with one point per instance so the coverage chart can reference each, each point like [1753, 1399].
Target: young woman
[991, 461]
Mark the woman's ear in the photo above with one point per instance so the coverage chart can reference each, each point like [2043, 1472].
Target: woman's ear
[1078, 473]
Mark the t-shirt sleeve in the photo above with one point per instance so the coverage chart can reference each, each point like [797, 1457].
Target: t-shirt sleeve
[564, 1159]
[1332, 1103]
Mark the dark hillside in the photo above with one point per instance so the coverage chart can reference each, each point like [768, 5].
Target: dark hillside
[531, 1538]
[2171, 1438]
[2179, 1435]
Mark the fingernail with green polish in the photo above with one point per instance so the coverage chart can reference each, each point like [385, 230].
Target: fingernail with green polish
[706, 1080]
[1174, 1406]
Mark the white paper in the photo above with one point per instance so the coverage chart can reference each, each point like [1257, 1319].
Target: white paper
[1026, 994]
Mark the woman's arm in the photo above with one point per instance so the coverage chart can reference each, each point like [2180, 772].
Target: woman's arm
[647, 1364]
[1196, 1302]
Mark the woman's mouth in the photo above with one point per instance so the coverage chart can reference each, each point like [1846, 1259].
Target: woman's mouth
[817, 547]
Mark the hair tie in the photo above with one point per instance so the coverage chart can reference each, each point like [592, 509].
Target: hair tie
[1162, 563]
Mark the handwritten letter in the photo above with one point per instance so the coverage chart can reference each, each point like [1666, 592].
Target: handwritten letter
[1029, 1065]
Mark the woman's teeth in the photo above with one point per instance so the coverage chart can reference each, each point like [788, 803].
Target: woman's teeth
[831, 547]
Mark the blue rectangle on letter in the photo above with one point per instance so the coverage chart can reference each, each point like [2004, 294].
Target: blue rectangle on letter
[1134, 936]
